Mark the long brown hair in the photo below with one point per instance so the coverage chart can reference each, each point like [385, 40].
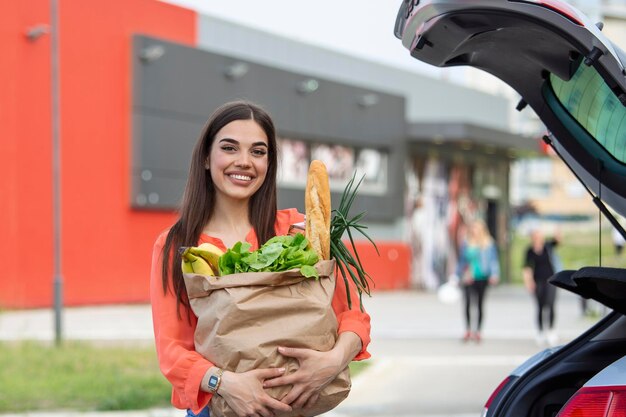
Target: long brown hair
[199, 197]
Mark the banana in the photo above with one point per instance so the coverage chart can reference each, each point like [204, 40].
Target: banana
[186, 266]
[210, 253]
[195, 264]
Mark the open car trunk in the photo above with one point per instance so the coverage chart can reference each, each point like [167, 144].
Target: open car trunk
[543, 390]
[574, 79]
[605, 285]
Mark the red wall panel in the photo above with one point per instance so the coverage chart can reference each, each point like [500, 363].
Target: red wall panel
[389, 268]
[25, 160]
[106, 246]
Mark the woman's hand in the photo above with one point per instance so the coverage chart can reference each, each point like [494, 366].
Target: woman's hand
[245, 395]
[494, 280]
[316, 370]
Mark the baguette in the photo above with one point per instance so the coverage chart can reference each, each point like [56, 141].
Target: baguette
[317, 209]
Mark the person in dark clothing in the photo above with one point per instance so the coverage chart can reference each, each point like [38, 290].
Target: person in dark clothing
[539, 266]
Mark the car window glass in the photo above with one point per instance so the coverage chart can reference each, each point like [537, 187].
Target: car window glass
[591, 102]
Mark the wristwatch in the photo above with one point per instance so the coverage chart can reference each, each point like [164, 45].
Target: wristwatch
[215, 380]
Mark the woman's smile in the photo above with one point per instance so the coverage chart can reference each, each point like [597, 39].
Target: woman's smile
[241, 177]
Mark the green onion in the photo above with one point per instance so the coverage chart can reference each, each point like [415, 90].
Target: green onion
[349, 263]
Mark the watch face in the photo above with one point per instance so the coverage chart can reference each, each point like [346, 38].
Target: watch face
[213, 381]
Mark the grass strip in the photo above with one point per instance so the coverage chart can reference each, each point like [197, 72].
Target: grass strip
[79, 376]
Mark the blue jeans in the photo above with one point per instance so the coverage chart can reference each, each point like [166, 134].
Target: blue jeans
[203, 413]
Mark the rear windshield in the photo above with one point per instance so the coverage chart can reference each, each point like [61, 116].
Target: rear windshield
[592, 103]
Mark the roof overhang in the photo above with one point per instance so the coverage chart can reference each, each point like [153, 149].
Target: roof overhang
[468, 136]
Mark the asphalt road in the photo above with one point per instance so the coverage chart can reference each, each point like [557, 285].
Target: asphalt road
[420, 367]
[434, 377]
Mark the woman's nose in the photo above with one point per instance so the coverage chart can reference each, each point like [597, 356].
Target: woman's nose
[243, 160]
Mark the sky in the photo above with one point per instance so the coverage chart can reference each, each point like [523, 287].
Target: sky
[363, 29]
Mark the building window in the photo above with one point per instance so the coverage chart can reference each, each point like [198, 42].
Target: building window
[293, 162]
[341, 162]
[371, 164]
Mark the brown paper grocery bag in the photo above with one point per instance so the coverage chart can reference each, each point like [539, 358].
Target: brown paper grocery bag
[243, 318]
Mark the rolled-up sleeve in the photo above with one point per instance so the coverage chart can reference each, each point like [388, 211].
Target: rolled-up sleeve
[183, 367]
[351, 319]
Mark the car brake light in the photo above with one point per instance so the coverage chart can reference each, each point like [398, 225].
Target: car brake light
[495, 393]
[559, 7]
[596, 402]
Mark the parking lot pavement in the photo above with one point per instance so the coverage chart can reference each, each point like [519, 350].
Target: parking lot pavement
[419, 367]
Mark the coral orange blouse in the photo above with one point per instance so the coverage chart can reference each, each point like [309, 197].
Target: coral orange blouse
[174, 337]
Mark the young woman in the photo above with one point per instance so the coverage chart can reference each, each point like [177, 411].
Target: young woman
[230, 196]
[478, 267]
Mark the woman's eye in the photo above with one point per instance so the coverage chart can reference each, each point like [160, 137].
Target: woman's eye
[228, 148]
[259, 152]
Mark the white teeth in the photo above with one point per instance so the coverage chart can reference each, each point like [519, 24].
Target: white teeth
[241, 177]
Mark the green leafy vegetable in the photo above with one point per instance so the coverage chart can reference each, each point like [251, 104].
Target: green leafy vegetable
[348, 262]
[280, 253]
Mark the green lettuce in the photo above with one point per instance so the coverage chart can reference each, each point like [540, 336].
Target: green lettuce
[280, 253]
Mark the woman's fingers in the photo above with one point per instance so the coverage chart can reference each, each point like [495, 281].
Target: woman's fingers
[264, 412]
[294, 352]
[246, 396]
[292, 396]
[312, 400]
[278, 405]
[269, 373]
[278, 381]
[267, 405]
[301, 400]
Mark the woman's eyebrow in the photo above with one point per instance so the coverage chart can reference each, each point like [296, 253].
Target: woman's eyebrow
[229, 140]
[236, 142]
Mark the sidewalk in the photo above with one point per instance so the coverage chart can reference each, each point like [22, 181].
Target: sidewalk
[412, 332]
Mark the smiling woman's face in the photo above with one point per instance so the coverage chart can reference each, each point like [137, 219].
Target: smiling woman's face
[238, 159]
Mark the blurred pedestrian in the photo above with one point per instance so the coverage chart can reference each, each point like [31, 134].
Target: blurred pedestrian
[540, 263]
[478, 267]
